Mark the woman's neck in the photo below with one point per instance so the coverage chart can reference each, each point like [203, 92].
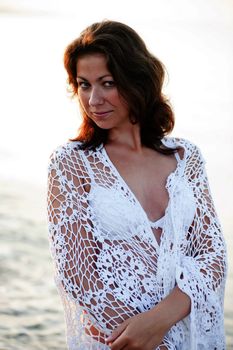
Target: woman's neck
[129, 137]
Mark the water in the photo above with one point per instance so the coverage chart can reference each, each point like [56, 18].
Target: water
[31, 314]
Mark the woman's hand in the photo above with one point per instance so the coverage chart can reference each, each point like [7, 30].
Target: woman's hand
[140, 332]
[146, 331]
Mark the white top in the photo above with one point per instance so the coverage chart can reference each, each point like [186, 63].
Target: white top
[108, 263]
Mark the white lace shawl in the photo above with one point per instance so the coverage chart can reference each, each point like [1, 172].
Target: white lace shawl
[108, 263]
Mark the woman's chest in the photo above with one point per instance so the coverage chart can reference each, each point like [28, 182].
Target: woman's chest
[145, 177]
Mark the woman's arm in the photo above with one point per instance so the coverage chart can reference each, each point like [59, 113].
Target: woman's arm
[76, 243]
[173, 308]
[147, 330]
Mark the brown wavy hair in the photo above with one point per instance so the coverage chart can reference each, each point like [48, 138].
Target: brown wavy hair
[139, 77]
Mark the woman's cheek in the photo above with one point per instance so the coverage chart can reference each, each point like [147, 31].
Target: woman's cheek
[83, 100]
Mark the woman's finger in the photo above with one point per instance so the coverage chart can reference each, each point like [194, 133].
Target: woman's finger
[116, 333]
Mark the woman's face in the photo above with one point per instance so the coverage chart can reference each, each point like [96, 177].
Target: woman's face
[98, 93]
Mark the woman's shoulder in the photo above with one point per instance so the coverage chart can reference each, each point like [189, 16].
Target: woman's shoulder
[188, 148]
[178, 142]
[65, 151]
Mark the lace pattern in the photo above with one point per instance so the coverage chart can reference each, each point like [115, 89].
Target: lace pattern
[109, 265]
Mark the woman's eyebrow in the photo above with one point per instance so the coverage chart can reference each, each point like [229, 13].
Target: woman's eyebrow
[78, 77]
[104, 76]
[100, 78]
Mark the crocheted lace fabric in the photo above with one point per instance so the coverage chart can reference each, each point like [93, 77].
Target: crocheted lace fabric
[109, 265]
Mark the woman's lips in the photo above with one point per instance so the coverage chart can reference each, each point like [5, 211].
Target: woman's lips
[101, 115]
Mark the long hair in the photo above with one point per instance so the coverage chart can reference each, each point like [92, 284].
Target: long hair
[139, 77]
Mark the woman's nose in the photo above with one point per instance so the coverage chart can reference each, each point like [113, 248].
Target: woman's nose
[96, 97]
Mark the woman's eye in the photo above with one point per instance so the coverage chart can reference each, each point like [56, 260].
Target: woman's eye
[83, 84]
[109, 83]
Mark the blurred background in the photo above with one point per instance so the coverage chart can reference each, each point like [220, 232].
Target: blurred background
[193, 38]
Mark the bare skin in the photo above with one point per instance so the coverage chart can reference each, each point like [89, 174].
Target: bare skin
[146, 330]
[145, 171]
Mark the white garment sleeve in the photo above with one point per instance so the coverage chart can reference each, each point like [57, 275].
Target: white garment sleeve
[202, 269]
[75, 248]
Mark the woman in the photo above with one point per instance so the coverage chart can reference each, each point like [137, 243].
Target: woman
[139, 254]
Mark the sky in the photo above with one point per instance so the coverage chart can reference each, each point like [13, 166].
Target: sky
[217, 10]
[192, 38]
